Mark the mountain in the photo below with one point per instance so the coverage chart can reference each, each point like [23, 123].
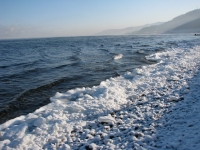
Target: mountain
[190, 27]
[124, 31]
[185, 23]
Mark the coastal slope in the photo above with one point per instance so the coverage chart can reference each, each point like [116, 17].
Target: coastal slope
[125, 31]
[186, 23]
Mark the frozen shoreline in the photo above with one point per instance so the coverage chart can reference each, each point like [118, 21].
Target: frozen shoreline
[155, 107]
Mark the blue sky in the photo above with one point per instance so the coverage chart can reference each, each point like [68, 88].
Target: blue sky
[50, 18]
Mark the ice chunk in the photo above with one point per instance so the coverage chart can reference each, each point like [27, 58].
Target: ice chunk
[106, 119]
[75, 108]
[31, 117]
[173, 98]
[39, 121]
[93, 146]
[59, 96]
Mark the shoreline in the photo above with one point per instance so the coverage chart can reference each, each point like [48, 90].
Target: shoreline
[148, 108]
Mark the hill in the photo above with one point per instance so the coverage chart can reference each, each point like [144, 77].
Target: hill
[190, 27]
[189, 22]
[124, 31]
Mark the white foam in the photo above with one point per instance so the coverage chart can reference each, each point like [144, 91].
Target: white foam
[119, 56]
[154, 57]
[141, 51]
[132, 105]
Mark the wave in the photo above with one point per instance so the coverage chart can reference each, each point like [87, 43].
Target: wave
[119, 56]
[28, 101]
[103, 49]
[146, 45]
[154, 57]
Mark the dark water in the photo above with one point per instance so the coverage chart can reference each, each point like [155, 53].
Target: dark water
[33, 70]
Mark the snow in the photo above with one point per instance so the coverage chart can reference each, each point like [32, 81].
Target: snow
[153, 107]
[106, 119]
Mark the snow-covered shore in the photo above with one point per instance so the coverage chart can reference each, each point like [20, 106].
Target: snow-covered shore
[154, 107]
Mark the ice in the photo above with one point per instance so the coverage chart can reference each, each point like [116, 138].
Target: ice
[39, 121]
[93, 146]
[152, 107]
[106, 119]
[16, 131]
[12, 122]
[173, 98]
[5, 142]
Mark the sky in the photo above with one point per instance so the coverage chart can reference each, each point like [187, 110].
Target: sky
[60, 18]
